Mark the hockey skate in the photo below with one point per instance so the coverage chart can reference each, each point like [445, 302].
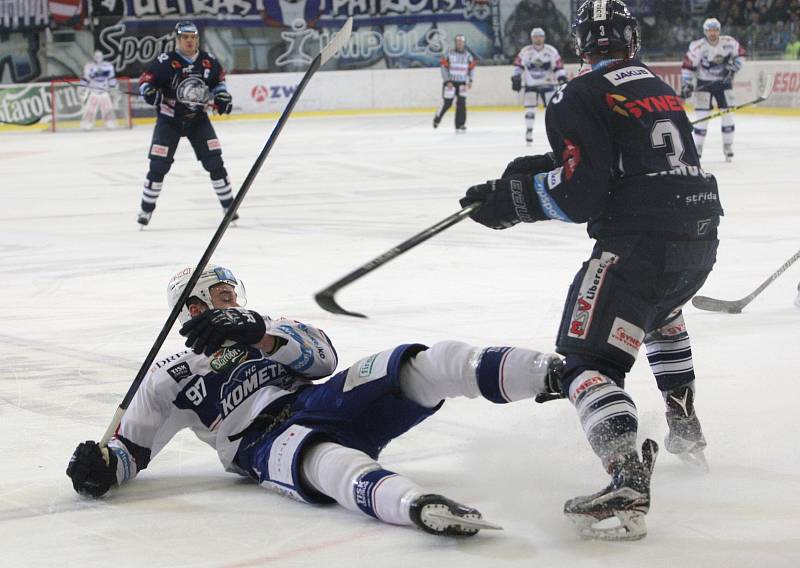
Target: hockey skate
[727, 149]
[529, 136]
[627, 498]
[439, 515]
[461, 129]
[797, 299]
[685, 438]
[555, 369]
[235, 215]
[436, 121]
[144, 218]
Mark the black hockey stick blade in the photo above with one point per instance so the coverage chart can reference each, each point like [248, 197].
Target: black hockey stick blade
[327, 302]
[338, 40]
[736, 306]
[325, 298]
[766, 91]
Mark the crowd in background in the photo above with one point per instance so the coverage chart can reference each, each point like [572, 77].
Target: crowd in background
[767, 29]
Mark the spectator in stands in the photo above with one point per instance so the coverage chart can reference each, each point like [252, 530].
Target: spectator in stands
[780, 37]
[793, 49]
[778, 11]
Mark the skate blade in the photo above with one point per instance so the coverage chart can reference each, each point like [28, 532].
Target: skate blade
[440, 519]
[696, 459]
[631, 526]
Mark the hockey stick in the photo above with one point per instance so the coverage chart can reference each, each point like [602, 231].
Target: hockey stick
[336, 43]
[736, 306]
[325, 298]
[765, 93]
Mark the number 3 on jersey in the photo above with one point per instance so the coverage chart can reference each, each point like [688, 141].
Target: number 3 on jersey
[664, 130]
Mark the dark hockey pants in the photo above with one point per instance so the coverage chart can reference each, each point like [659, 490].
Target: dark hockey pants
[166, 136]
[461, 106]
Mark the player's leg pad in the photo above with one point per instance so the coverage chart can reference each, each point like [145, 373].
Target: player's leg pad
[441, 516]
[626, 500]
[607, 414]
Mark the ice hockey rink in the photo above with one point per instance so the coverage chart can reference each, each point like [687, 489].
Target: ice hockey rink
[84, 298]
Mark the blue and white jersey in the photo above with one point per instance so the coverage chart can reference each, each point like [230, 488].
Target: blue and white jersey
[99, 76]
[539, 66]
[218, 397]
[711, 63]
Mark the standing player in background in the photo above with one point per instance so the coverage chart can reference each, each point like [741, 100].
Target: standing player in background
[98, 79]
[632, 174]
[538, 69]
[458, 72]
[713, 61]
[179, 84]
[248, 391]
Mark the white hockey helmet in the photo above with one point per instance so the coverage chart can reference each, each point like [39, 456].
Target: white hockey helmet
[712, 24]
[98, 56]
[537, 32]
[210, 277]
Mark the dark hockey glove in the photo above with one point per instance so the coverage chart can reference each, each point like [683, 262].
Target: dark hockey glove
[686, 90]
[516, 83]
[152, 96]
[562, 79]
[207, 332]
[530, 165]
[223, 102]
[505, 202]
[90, 473]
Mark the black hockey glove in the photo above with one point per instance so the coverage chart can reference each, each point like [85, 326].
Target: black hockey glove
[90, 473]
[516, 83]
[530, 165]
[506, 202]
[223, 102]
[207, 332]
[152, 96]
[686, 90]
[562, 79]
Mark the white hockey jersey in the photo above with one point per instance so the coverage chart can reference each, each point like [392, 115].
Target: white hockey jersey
[218, 397]
[458, 66]
[99, 76]
[539, 66]
[710, 63]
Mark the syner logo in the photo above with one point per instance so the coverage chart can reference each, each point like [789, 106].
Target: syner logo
[628, 74]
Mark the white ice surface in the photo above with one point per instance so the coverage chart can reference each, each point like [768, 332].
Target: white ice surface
[83, 295]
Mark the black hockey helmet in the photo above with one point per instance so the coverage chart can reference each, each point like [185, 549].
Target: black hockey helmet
[603, 26]
[185, 28]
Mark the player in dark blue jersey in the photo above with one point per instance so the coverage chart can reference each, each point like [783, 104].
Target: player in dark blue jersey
[180, 84]
[623, 162]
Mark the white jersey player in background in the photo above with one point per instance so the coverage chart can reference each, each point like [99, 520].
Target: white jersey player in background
[99, 78]
[538, 69]
[712, 61]
[247, 389]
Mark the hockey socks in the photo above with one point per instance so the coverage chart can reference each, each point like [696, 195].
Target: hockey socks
[359, 483]
[500, 374]
[607, 414]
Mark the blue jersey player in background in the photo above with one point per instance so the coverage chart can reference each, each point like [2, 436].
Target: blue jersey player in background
[180, 84]
[624, 163]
